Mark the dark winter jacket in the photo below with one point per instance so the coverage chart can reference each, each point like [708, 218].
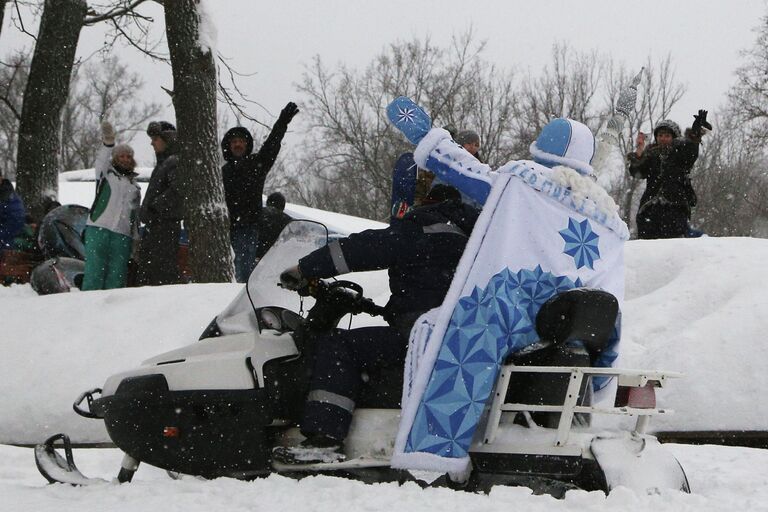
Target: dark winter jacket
[164, 200]
[244, 177]
[667, 169]
[421, 253]
[12, 214]
[271, 223]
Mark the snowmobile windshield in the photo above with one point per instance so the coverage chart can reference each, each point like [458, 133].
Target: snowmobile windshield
[298, 238]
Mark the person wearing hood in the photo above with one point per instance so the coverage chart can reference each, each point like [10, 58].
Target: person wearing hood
[421, 253]
[271, 222]
[161, 212]
[244, 174]
[112, 224]
[665, 206]
[12, 214]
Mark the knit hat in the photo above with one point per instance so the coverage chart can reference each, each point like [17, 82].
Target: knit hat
[565, 142]
[467, 137]
[162, 129]
[669, 125]
[120, 149]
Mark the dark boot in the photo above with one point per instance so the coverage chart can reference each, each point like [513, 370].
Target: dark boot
[314, 450]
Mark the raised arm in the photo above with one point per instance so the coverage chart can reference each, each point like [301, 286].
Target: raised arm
[437, 152]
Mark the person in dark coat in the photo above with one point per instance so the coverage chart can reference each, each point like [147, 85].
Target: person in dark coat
[244, 174]
[421, 253]
[161, 212]
[271, 222]
[12, 214]
[665, 207]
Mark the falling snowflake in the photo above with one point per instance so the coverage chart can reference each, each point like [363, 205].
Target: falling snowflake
[581, 243]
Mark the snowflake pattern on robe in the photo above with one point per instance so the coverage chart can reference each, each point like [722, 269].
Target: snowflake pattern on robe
[581, 243]
[485, 327]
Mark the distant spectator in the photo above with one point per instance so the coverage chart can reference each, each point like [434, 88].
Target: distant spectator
[244, 175]
[665, 207]
[469, 140]
[113, 222]
[12, 214]
[271, 222]
[161, 212]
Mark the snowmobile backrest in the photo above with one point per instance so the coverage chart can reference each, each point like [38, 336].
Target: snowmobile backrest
[61, 232]
[582, 314]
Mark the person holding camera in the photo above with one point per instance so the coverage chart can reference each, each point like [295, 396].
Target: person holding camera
[665, 207]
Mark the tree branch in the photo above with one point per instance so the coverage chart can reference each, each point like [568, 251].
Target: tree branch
[117, 12]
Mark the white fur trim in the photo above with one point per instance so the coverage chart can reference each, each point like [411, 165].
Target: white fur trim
[580, 166]
[430, 141]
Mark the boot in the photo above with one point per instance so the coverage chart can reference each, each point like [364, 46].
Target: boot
[313, 450]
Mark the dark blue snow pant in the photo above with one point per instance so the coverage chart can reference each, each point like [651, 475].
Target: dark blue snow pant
[245, 242]
[340, 359]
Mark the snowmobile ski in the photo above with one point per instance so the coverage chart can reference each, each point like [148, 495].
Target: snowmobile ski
[61, 470]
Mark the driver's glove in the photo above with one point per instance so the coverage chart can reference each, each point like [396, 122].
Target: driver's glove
[291, 279]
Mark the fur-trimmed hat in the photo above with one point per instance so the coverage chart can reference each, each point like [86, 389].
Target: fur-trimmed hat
[162, 129]
[565, 142]
[120, 149]
[467, 137]
[668, 125]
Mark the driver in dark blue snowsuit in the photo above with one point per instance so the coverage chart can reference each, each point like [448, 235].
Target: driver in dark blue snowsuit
[421, 253]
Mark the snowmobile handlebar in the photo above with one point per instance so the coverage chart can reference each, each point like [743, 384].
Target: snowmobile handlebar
[346, 294]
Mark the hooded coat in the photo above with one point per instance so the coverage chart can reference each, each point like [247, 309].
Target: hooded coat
[244, 177]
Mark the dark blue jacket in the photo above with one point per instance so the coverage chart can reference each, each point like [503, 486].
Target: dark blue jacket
[12, 214]
[421, 253]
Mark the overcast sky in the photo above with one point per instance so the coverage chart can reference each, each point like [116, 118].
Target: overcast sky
[276, 39]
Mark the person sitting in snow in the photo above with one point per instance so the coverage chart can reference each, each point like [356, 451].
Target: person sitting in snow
[421, 253]
[112, 225]
[665, 206]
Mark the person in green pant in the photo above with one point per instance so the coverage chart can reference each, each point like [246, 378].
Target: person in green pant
[113, 220]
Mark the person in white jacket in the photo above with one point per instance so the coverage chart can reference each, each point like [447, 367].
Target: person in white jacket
[113, 220]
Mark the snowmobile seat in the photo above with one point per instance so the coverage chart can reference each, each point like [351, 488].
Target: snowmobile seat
[578, 315]
[582, 314]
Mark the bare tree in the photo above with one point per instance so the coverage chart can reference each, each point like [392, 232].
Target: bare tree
[352, 147]
[101, 90]
[749, 96]
[13, 80]
[194, 100]
[2, 13]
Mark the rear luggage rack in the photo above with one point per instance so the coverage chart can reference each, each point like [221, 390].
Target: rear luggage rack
[637, 385]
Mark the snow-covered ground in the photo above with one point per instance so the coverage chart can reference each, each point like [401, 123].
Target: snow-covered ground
[695, 306]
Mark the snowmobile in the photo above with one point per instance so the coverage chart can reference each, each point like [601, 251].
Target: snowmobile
[218, 406]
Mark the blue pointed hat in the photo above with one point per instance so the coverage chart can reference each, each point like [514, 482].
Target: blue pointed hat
[565, 142]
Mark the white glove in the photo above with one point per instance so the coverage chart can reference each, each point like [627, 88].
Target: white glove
[107, 133]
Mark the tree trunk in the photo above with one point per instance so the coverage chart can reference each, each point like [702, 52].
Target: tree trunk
[44, 97]
[2, 14]
[194, 100]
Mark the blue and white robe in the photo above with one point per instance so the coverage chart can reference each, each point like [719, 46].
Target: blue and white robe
[534, 238]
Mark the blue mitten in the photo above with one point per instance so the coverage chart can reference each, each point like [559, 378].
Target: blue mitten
[409, 118]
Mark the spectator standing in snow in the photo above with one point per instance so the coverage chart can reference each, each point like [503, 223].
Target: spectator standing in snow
[272, 220]
[112, 224]
[665, 207]
[421, 253]
[244, 174]
[12, 214]
[161, 212]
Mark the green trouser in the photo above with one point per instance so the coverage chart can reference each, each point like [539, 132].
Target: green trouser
[106, 259]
